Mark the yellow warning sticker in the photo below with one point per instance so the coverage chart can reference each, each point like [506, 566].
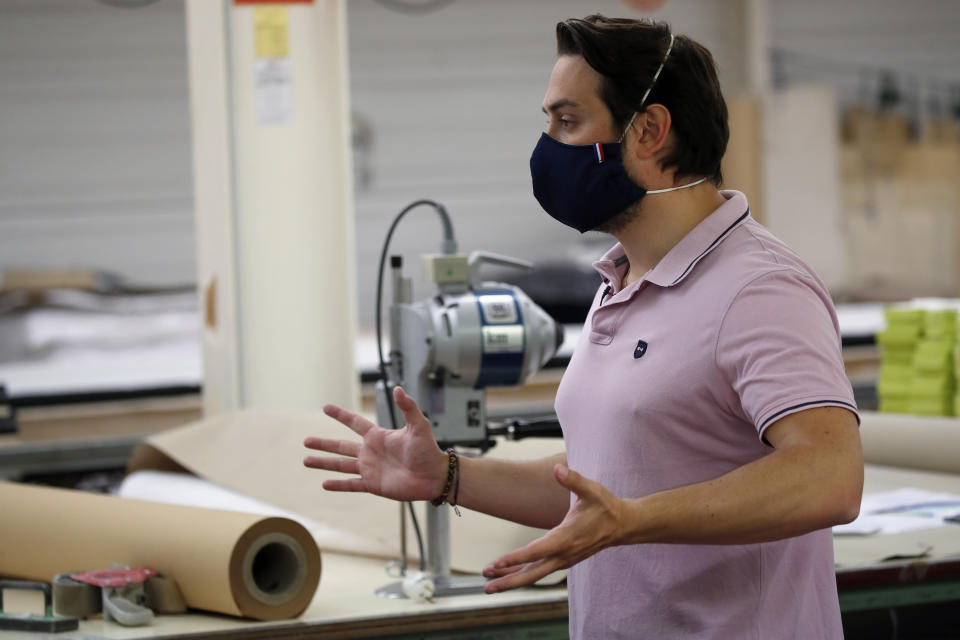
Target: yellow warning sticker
[272, 29]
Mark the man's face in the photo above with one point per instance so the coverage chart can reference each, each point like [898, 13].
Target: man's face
[576, 113]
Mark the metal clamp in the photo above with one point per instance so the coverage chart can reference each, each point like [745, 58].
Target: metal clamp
[29, 621]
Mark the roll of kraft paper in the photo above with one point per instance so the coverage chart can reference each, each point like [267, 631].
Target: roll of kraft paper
[913, 442]
[239, 564]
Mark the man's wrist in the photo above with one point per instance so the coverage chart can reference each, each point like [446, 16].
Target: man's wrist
[440, 477]
[633, 522]
[450, 471]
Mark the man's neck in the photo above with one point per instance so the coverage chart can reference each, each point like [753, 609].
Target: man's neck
[663, 220]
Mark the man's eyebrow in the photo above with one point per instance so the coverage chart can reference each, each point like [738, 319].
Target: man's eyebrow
[559, 104]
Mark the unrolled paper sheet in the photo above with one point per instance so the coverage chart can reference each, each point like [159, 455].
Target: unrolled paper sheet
[239, 564]
[258, 453]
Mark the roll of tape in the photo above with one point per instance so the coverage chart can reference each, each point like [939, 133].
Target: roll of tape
[74, 598]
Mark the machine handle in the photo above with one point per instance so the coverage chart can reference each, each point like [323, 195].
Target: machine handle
[29, 585]
[519, 429]
[479, 258]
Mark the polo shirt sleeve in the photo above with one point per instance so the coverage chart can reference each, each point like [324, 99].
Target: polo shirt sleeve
[779, 347]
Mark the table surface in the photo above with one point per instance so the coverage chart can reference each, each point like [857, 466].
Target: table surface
[345, 604]
[858, 552]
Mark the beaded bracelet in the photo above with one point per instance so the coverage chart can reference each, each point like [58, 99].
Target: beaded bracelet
[453, 471]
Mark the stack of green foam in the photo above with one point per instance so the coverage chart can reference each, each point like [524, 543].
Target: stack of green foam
[899, 344]
[956, 369]
[933, 391]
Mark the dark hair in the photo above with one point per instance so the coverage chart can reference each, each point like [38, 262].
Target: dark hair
[627, 53]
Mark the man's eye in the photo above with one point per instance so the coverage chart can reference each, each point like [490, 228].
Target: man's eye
[562, 123]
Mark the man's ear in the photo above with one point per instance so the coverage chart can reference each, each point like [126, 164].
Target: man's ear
[650, 130]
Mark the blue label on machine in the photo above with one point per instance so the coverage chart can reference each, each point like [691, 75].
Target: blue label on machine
[503, 337]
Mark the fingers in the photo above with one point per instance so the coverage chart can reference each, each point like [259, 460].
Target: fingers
[411, 412]
[526, 565]
[343, 465]
[576, 483]
[493, 572]
[349, 484]
[538, 549]
[526, 576]
[349, 419]
[341, 447]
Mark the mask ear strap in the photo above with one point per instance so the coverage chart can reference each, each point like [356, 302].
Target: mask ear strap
[683, 186]
[627, 128]
[646, 93]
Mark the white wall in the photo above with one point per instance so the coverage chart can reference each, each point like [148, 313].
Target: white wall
[802, 178]
[94, 138]
[94, 126]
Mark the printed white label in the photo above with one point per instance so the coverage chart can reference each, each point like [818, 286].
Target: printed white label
[503, 339]
[499, 309]
[274, 82]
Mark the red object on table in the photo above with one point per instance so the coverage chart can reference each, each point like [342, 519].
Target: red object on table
[114, 577]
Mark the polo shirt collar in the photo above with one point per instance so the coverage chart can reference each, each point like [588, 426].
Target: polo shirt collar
[684, 256]
[612, 266]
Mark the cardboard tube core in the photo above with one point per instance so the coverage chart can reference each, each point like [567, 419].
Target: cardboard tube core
[274, 568]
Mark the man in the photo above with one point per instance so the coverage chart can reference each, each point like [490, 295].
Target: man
[711, 434]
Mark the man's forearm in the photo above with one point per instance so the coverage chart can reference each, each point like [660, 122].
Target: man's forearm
[520, 491]
[784, 494]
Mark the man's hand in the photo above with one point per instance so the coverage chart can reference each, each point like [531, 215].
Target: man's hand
[593, 523]
[404, 464]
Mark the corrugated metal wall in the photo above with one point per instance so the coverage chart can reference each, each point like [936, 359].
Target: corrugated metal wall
[94, 138]
[94, 128]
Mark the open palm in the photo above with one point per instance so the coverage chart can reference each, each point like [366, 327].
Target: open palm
[404, 464]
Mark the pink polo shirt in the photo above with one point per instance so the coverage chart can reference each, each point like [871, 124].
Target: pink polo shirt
[673, 382]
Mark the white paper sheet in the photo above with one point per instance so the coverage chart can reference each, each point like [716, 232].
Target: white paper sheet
[191, 491]
[902, 510]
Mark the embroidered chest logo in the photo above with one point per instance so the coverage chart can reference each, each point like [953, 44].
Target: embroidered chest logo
[640, 350]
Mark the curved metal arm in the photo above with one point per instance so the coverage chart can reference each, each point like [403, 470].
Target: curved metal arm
[479, 258]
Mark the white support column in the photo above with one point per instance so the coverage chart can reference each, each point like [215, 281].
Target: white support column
[210, 111]
[744, 164]
[757, 44]
[274, 206]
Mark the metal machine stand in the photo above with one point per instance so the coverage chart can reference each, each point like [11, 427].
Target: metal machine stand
[445, 351]
[438, 561]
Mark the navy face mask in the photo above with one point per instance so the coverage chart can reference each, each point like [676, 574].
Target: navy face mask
[581, 185]
[584, 185]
